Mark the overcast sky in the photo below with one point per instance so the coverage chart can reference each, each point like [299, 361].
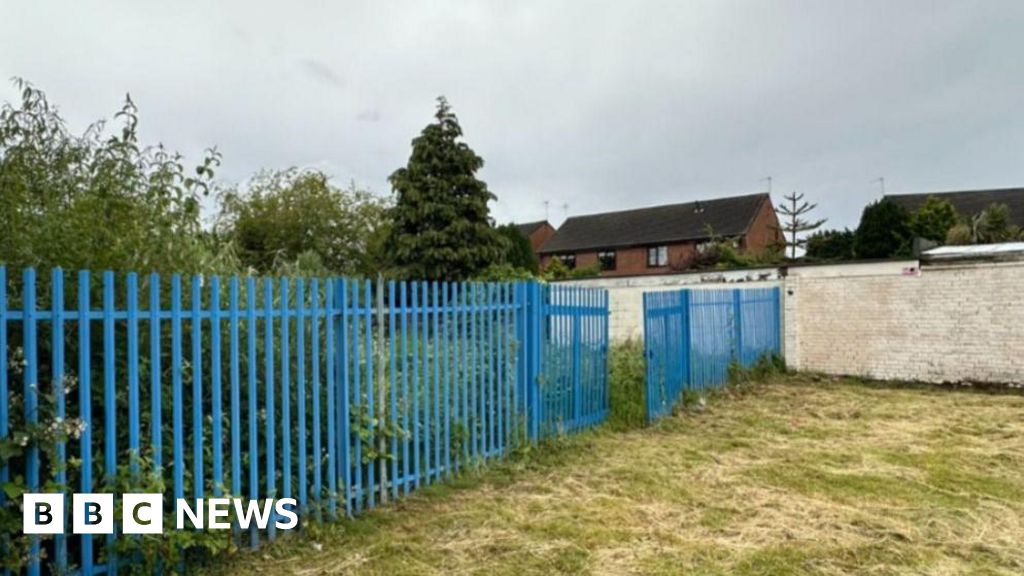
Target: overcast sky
[598, 105]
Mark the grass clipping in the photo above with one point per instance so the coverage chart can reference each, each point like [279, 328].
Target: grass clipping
[795, 476]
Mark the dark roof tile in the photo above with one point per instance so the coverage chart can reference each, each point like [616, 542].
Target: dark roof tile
[657, 224]
[530, 227]
[970, 202]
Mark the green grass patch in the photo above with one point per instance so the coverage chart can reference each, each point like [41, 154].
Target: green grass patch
[790, 475]
[627, 386]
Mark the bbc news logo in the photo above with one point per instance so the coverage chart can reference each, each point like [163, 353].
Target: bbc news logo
[143, 513]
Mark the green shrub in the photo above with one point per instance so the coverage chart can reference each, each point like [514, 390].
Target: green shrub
[504, 273]
[102, 200]
[627, 378]
[518, 252]
[767, 366]
[280, 216]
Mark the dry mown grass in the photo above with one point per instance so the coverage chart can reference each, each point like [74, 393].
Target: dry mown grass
[791, 477]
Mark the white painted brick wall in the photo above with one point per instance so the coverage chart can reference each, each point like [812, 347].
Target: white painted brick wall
[946, 324]
[881, 320]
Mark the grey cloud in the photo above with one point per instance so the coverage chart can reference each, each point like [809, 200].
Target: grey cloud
[371, 115]
[322, 72]
[601, 105]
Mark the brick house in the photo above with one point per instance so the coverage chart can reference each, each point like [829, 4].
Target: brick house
[538, 232]
[662, 239]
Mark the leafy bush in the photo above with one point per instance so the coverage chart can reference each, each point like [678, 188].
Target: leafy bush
[504, 273]
[283, 215]
[830, 245]
[884, 231]
[627, 386]
[934, 219]
[991, 225]
[99, 200]
[722, 254]
[518, 250]
[959, 235]
[557, 270]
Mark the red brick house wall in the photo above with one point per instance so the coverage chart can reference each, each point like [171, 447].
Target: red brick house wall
[539, 236]
[632, 261]
[764, 232]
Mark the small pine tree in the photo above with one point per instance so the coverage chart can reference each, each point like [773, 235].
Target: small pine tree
[442, 228]
[794, 225]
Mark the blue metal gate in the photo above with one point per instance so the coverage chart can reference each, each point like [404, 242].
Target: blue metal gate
[691, 337]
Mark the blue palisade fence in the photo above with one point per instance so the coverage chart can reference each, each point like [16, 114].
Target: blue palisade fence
[692, 336]
[340, 393]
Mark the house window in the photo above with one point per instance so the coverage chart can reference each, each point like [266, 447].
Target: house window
[607, 259]
[568, 259]
[657, 256]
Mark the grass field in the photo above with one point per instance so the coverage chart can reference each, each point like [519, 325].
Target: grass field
[795, 476]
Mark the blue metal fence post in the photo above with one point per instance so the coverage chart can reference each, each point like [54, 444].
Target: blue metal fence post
[236, 413]
[648, 357]
[777, 318]
[318, 455]
[519, 394]
[176, 384]
[85, 405]
[332, 349]
[251, 332]
[216, 405]
[286, 409]
[300, 353]
[133, 372]
[269, 400]
[737, 323]
[197, 387]
[404, 308]
[109, 402]
[576, 335]
[392, 343]
[156, 422]
[57, 307]
[31, 393]
[343, 397]
[687, 348]
[533, 361]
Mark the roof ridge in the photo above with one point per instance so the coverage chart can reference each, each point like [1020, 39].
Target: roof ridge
[663, 206]
[669, 223]
[973, 191]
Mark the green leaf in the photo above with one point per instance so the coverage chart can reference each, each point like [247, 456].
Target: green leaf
[13, 490]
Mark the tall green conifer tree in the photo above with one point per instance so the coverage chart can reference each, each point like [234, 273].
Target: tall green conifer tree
[442, 228]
